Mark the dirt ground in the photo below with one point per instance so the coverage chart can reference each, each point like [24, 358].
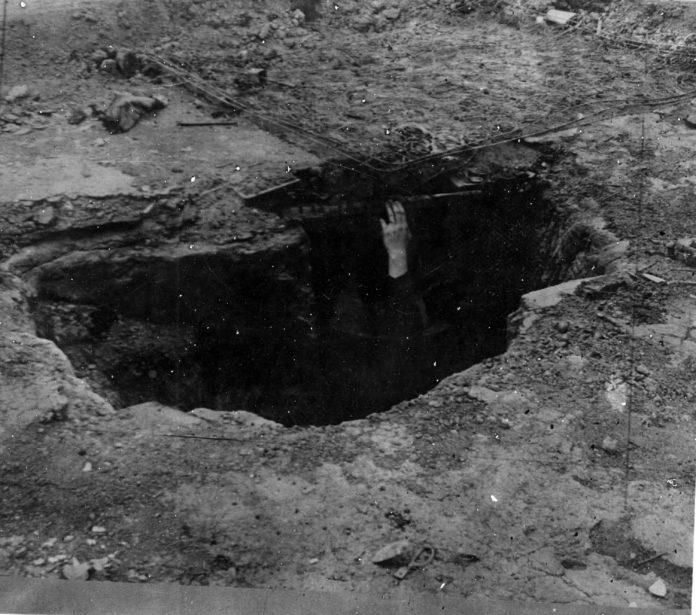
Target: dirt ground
[559, 471]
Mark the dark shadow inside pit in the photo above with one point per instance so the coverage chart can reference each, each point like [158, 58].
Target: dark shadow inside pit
[178, 332]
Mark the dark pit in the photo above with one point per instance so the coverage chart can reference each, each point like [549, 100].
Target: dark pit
[255, 332]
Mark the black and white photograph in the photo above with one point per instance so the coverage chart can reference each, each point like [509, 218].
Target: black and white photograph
[347, 306]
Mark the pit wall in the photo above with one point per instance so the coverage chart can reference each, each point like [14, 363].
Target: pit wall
[39, 382]
[128, 286]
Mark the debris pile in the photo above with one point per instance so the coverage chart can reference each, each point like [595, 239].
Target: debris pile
[126, 110]
[114, 61]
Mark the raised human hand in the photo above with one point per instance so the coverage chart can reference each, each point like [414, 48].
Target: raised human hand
[396, 236]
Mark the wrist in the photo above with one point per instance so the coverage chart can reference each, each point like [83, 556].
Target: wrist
[397, 267]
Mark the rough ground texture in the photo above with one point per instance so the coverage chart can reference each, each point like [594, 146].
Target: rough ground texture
[559, 471]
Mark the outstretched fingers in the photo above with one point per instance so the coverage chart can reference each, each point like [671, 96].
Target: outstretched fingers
[399, 213]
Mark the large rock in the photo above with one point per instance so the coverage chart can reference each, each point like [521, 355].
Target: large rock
[37, 381]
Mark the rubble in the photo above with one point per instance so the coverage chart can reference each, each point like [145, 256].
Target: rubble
[126, 110]
[658, 588]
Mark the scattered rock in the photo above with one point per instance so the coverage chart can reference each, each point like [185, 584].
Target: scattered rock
[17, 92]
[610, 445]
[99, 56]
[76, 116]
[76, 570]
[99, 564]
[264, 31]
[483, 394]
[125, 110]
[641, 369]
[299, 16]
[562, 326]
[616, 393]
[683, 250]
[658, 588]
[109, 66]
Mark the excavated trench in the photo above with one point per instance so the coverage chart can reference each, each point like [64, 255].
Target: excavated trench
[255, 330]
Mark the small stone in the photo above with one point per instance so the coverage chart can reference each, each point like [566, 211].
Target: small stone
[109, 66]
[90, 542]
[76, 116]
[76, 570]
[610, 445]
[68, 538]
[39, 561]
[87, 467]
[49, 543]
[641, 369]
[392, 14]
[299, 16]
[264, 31]
[17, 92]
[658, 588]
[46, 215]
[99, 56]
[98, 529]
[562, 326]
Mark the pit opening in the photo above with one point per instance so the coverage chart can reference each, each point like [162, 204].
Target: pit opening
[226, 333]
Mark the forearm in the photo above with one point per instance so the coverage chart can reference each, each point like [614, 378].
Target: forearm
[398, 265]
